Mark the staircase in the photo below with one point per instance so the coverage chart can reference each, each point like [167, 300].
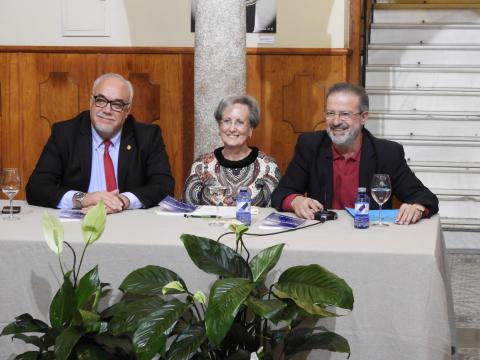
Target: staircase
[423, 78]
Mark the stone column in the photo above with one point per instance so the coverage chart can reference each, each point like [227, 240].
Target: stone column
[220, 63]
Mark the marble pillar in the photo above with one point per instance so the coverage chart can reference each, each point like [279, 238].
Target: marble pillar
[220, 63]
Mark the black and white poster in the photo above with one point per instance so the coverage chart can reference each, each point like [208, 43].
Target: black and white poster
[261, 16]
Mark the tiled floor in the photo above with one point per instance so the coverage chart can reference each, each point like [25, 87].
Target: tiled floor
[465, 280]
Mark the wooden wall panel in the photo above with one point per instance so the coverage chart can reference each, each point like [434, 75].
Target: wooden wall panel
[53, 87]
[10, 149]
[40, 86]
[164, 72]
[278, 136]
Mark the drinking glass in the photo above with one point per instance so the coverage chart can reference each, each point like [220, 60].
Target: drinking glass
[218, 194]
[381, 190]
[10, 187]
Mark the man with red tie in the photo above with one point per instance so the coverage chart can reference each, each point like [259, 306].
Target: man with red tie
[102, 155]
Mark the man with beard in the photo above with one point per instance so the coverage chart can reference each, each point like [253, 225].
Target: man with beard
[102, 154]
[329, 166]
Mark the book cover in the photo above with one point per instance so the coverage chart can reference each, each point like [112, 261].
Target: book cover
[279, 221]
[172, 206]
[71, 215]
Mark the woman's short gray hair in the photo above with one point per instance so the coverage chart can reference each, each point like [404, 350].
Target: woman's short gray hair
[118, 77]
[253, 108]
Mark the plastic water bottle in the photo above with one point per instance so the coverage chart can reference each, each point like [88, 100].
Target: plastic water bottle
[244, 201]
[362, 206]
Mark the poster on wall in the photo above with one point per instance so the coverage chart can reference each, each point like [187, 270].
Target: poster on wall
[261, 16]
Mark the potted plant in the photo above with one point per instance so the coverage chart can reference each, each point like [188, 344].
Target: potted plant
[76, 330]
[244, 317]
[159, 317]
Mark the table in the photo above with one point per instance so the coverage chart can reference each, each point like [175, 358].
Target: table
[399, 277]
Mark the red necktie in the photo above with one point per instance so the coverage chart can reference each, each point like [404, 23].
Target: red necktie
[108, 166]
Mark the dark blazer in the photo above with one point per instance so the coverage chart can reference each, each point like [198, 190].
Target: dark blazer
[66, 161]
[311, 171]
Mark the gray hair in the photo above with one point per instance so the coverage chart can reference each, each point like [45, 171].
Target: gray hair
[357, 90]
[118, 77]
[253, 108]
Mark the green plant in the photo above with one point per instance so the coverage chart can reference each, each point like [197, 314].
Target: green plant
[76, 330]
[242, 319]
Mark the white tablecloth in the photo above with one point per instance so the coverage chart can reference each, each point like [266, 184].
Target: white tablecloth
[402, 307]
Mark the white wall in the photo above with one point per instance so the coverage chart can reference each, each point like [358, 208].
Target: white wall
[300, 23]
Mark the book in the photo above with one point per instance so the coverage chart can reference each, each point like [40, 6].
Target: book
[388, 215]
[71, 215]
[172, 206]
[279, 221]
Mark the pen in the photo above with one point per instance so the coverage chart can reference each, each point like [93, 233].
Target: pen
[200, 216]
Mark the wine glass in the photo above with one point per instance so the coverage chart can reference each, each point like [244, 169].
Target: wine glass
[381, 190]
[10, 187]
[217, 192]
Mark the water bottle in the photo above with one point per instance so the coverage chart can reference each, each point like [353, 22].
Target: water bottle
[244, 201]
[362, 205]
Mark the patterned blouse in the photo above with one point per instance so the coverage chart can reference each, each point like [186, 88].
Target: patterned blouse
[257, 171]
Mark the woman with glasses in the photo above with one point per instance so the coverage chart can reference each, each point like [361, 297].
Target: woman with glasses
[235, 164]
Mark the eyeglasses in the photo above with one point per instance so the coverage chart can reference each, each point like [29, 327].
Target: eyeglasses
[342, 115]
[237, 124]
[116, 105]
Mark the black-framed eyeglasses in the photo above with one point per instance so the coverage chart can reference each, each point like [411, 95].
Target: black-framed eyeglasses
[343, 115]
[116, 105]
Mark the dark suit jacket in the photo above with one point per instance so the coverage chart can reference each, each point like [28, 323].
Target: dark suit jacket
[311, 171]
[66, 161]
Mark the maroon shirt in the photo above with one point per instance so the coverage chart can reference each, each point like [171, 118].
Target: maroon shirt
[345, 181]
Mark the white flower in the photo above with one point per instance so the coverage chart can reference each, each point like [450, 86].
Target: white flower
[230, 225]
[94, 223]
[53, 233]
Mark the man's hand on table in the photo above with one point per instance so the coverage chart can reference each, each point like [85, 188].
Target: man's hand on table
[114, 202]
[410, 214]
[306, 207]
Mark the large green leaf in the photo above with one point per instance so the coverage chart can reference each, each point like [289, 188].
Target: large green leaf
[65, 342]
[94, 223]
[120, 344]
[265, 261]
[29, 339]
[307, 308]
[226, 298]
[216, 258]
[288, 314]
[187, 343]
[25, 323]
[267, 309]
[150, 337]
[241, 355]
[129, 316]
[28, 355]
[88, 285]
[313, 284]
[88, 317]
[63, 304]
[149, 280]
[305, 339]
[89, 351]
[53, 232]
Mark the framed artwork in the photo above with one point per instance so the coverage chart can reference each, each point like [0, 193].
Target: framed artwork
[261, 16]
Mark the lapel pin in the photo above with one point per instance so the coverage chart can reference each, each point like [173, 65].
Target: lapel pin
[129, 147]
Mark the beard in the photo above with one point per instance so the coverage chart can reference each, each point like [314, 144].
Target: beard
[347, 138]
